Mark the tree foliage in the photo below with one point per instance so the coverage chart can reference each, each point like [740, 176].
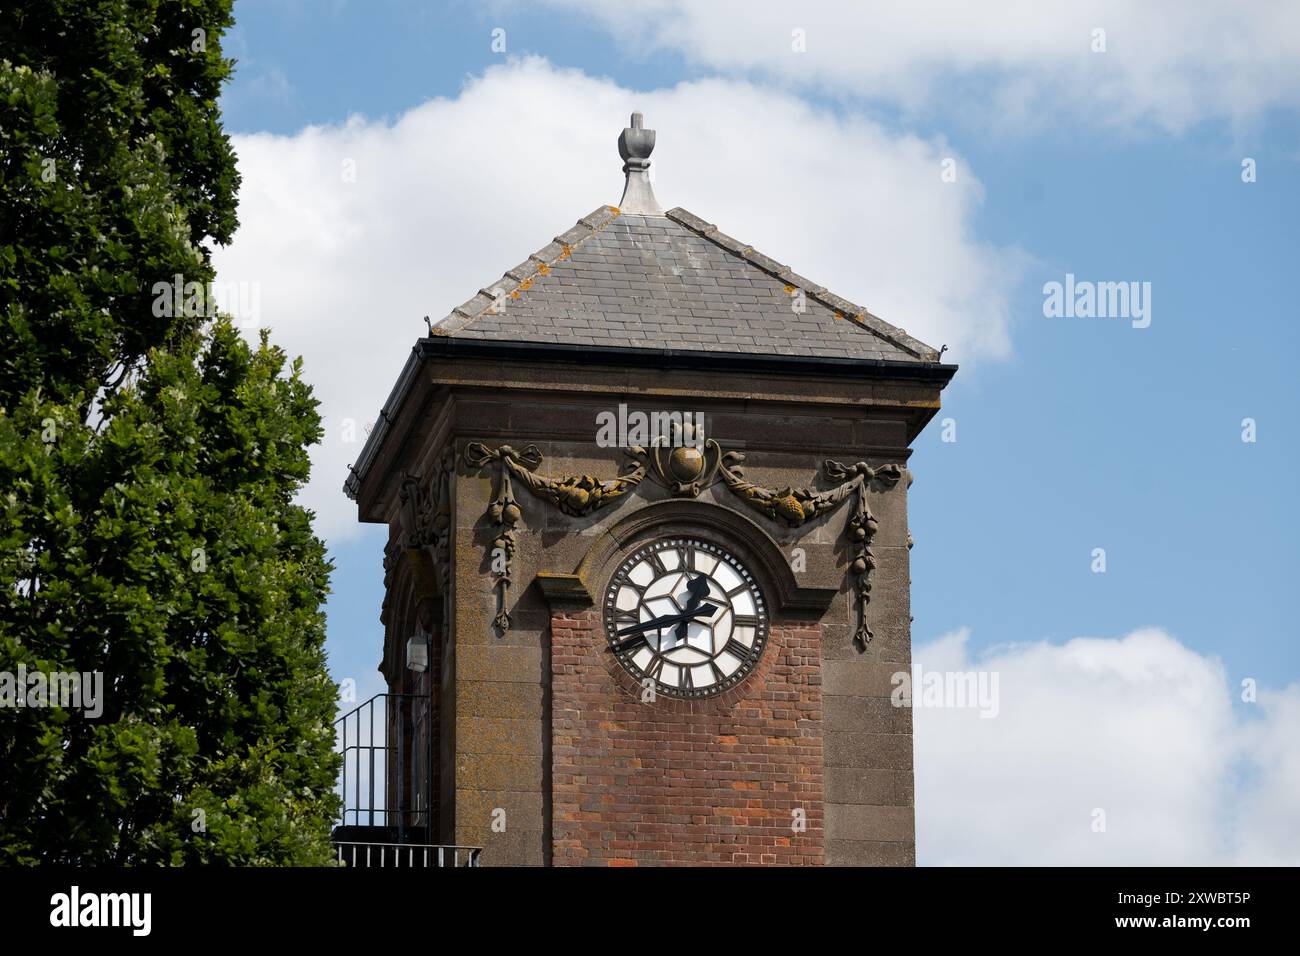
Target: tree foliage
[115, 172]
[148, 465]
[165, 552]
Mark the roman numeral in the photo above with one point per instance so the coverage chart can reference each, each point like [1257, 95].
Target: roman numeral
[717, 672]
[657, 563]
[739, 650]
[685, 682]
[654, 668]
[631, 643]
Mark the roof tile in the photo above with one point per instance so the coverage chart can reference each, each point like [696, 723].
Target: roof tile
[632, 281]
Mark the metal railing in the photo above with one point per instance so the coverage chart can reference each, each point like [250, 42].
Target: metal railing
[386, 780]
[386, 785]
[406, 855]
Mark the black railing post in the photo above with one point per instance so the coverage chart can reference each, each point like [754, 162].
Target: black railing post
[399, 805]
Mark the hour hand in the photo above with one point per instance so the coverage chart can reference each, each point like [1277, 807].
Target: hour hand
[689, 615]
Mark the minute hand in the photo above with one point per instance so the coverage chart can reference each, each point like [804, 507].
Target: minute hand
[667, 620]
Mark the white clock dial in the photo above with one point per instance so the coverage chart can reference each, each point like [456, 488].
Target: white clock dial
[686, 614]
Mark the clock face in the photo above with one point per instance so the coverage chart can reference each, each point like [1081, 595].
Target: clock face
[687, 615]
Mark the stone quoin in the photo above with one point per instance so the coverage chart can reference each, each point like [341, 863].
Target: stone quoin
[647, 654]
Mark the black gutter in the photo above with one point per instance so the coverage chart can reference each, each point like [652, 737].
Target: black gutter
[357, 471]
[659, 358]
[442, 346]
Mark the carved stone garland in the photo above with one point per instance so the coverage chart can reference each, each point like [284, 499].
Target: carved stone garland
[574, 496]
[795, 506]
[426, 526]
[687, 471]
[426, 509]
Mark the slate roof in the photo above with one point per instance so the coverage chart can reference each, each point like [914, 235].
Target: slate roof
[673, 281]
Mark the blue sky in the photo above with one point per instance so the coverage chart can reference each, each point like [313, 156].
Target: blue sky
[1072, 433]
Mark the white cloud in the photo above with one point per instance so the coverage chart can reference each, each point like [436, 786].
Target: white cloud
[1168, 63]
[1142, 728]
[456, 191]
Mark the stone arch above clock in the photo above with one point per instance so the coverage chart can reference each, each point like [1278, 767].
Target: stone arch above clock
[685, 517]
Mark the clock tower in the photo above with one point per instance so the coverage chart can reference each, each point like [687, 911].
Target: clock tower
[647, 571]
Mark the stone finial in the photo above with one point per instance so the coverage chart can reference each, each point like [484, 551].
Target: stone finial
[635, 144]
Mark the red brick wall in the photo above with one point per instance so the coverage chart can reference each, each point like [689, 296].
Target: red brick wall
[705, 782]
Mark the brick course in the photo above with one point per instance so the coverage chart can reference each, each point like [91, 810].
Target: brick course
[714, 781]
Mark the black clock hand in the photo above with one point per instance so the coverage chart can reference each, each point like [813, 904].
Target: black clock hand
[658, 623]
[698, 589]
[653, 624]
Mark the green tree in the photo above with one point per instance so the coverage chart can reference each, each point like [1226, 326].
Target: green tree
[115, 171]
[148, 464]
